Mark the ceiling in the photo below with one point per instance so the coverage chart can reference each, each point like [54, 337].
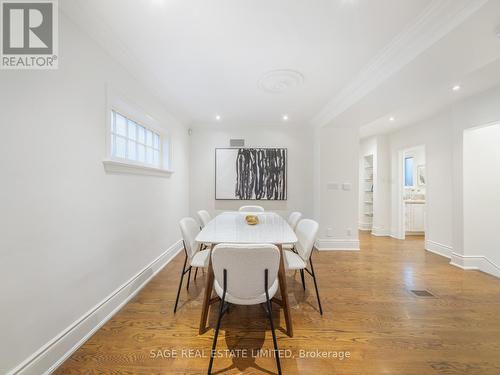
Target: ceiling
[319, 62]
[468, 57]
[207, 57]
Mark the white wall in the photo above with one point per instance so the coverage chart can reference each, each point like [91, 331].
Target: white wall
[435, 135]
[382, 201]
[204, 141]
[481, 175]
[475, 111]
[443, 137]
[70, 234]
[338, 208]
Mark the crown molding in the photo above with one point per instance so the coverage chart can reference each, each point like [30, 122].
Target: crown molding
[79, 13]
[437, 20]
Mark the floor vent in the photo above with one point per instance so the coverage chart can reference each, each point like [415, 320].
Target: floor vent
[422, 293]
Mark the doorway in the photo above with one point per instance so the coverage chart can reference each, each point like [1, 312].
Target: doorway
[412, 197]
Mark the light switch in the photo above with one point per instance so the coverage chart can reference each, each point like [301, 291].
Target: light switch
[346, 186]
[332, 186]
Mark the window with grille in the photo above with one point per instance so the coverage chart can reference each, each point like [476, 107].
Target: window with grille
[135, 142]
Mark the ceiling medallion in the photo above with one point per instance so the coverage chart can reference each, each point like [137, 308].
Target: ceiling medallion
[280, 80]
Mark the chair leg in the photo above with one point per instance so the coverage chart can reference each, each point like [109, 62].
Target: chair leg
[215, 340]
[315, 284]
[180, 283]
[270, 316]
[189, 278]
[195, 273]
[219, 319]
[303, 280]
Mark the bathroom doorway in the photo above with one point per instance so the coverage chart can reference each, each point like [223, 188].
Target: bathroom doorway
[412, 192]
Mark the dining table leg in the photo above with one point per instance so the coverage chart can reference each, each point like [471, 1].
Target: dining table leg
[206, 299]
[284, 293]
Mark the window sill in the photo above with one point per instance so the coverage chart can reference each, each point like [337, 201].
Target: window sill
[119, 167]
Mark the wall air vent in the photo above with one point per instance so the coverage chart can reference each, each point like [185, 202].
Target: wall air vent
[237, 143]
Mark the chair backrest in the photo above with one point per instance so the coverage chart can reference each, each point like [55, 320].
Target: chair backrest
[189, 230]
[306, 232]
[204, 217]
[293, 219]
[245, 265]
[251, 209]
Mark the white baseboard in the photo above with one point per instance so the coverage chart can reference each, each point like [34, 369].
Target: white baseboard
[56, 351]
[475, 262]
[324, 244]
[438, 248]
[380, 232]
[465, 262]
[364, 226]
[395, 234]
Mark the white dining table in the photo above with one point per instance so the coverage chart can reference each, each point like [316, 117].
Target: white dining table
[231, 227]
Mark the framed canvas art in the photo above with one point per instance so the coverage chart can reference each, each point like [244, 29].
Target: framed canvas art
[251, 173]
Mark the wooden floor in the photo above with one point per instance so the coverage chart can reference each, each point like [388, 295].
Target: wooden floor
[369, 312]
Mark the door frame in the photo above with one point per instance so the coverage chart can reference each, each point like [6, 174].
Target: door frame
[401, 231]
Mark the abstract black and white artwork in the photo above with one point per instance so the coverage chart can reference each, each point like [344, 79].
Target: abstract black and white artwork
[251, 173]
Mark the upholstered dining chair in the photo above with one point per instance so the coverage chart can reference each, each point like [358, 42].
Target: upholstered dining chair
[194, 257]
[245, 274]
[251, 209]
[204, 217]
[293, 219]
[306, 232]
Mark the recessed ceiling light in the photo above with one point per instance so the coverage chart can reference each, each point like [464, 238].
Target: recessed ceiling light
[217, 117]
[456, 88]
[391, 118]
[285, 117]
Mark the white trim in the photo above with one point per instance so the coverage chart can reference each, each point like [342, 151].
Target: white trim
[114, 166]
[324, 244]
[379, 232]
[365, 226]
[401, 219]
[51, 355]
[465, 262]
[119, 103]
[437, 20]
[475, 262]
[438, 248]
[395, 234]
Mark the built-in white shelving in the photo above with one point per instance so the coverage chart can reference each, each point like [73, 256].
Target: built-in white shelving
[368, 189]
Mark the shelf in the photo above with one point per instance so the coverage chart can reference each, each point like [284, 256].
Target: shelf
[369, 214]
[368, 202]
